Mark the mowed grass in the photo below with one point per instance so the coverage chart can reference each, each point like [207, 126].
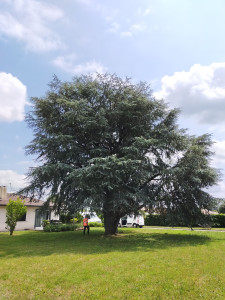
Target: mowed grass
[135, 264]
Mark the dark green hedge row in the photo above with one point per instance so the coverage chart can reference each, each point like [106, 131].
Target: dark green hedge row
[217, 221]
[156, 220]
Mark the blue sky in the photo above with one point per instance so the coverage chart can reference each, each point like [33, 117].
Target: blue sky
[177, 46]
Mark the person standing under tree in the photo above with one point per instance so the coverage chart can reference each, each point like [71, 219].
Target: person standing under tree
[85, 223]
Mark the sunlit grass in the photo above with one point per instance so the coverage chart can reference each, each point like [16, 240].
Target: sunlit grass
[136, 264]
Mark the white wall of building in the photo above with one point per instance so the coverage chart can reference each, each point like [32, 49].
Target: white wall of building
[2, 218]
[22, 225]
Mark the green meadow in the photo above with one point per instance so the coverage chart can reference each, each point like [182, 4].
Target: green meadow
[135, 264]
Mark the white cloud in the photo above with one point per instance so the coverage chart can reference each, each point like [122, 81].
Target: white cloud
[145, 12]
[67, 64]
[133, 30]
[200, 92]
[12, 98]
[219, 157]
[138, 27]
[217, 190]
[29, 21]
[12, 180]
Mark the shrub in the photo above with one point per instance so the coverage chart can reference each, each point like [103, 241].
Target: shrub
[156, 220]
[166, 220]
[95, 224]
[222, 209]
[60, 227]
[66, 218]
[218, 221]
[45, 222]
[74, 220]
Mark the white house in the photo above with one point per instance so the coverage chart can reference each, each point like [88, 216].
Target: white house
[32, 219]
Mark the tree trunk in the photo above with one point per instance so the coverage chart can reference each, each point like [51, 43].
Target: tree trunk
[111, 216]
[111, 221]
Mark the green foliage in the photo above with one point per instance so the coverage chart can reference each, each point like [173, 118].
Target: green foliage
[69, 217]
[101, 216]
[222, 209]
[156, 220]
[182, 194]
[15, 209]
[218, 221]
[95, 224]
[60, 227]
[215, 221]
[74, 220]
[108, 144]
[45, 222]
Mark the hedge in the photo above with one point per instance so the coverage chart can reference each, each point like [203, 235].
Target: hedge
[60, 227]
[156, 220]
[95, 224]
[216, 221]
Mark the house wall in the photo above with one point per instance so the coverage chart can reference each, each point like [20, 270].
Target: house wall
[53, 216]
[22, 225]
[2, 218]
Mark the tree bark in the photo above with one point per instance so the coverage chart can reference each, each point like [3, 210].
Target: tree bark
[111, 221]
[111, 217]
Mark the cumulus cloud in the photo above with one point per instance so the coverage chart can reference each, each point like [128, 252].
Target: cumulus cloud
[12, 180]
[67, 64]
[199, 92]
[29, 21]
[12, 98]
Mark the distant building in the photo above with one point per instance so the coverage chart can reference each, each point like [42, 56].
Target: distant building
[34, 216]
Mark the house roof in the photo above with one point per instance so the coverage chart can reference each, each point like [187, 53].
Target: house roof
[28, 201]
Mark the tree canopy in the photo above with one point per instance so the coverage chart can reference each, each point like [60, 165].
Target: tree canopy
[108, 144]
[222, 208]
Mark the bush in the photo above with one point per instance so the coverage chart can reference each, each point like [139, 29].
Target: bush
[66, 218]
[45, 222]
[156, 220]
[218, 221]
[74, 220]
[60, 227]
[222, 209]
[95, 224]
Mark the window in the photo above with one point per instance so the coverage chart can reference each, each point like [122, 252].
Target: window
[23, 218]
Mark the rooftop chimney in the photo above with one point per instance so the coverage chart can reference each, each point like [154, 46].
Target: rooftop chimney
[3, 192]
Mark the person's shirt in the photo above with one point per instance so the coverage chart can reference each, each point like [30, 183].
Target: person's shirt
[85, 221]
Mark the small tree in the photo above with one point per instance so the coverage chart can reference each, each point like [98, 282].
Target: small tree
[15, 209]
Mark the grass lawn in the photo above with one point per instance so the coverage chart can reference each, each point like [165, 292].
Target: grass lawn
[136, 264]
